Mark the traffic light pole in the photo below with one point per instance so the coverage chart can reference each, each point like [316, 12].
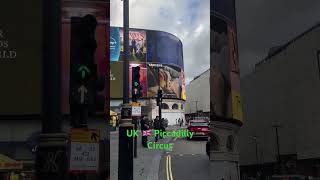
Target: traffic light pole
[125, 167]
[158, 93]
[51, 153]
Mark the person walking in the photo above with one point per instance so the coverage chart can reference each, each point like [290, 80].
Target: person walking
[144, 126]
[156, 125]
[163, 126]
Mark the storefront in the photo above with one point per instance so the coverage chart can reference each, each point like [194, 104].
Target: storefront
[10, 169]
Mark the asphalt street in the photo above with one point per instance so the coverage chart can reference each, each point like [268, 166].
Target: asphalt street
[188, 160]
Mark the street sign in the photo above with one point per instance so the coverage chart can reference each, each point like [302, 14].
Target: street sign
[136, 109]
[84, 150]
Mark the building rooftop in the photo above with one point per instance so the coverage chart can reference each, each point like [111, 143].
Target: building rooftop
[278, 49]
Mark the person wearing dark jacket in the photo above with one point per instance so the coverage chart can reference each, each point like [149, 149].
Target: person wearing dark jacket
[163, 125]
[156, 125]
[144, 126]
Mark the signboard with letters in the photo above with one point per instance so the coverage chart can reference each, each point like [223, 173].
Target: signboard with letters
[136, 109]
[84, 150]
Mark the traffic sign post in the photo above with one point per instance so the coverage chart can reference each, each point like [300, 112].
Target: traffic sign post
[136, 113]
[136, 109]
[84, 151]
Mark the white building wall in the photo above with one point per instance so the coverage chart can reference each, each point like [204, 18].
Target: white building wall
[284, 89]
[198, 90]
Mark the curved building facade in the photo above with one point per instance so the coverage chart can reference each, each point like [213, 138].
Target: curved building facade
[160, 58]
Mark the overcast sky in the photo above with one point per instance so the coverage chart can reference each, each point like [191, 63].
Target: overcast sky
[266, 23]
[261, 25]
[189, 20]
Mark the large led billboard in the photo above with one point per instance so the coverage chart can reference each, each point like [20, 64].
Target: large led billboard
[160, 57]
[21, 57]
[225, 99]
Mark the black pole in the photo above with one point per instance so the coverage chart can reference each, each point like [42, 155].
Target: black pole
[257, 158]
[51, 160]
[125, 167]
[126, 51]
[159, 90]
[278, 148]
[135, 138]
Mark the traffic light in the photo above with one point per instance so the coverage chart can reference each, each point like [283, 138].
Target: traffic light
[136, 86]
[82, 63]
[159, 97]
[83, 78]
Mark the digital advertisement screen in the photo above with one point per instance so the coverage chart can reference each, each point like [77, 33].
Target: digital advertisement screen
[21, 57]
[225, 76]
[158, 49]
[169, 78]
[137, 45]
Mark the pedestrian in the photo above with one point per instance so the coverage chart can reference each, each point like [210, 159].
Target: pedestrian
[182, 121]
[144, 127]
[156, 125]
[162, 126]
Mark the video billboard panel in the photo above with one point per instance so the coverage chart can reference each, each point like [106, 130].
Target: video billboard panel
[114, 43]
[21, 57]
[220, 66]
[168, 49]
[137, 45]
[225, 99]
[168, 77]
[116, 79]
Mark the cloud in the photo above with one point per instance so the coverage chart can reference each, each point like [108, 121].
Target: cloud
[189, 20]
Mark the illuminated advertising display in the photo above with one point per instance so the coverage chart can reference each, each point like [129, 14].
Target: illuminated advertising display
[168, 77]
[114, 43]
[160, 57]
[116, 79]
[137, 45]
[225, 75]
[21, 57]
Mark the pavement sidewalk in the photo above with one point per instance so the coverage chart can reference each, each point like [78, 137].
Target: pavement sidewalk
[146, 165]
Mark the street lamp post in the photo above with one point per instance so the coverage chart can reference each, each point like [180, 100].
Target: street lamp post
[255, 139]
[276, 126]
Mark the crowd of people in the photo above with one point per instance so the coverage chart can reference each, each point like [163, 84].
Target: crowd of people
[156, 124]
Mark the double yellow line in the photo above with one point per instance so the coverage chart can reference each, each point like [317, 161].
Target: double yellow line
[168, 168]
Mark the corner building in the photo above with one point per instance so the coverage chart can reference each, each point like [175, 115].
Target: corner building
[225, 98]
[160, 58]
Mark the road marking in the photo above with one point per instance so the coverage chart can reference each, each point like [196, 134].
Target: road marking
[168, 168]
[167, 171]
[192, 154]
[180, 154]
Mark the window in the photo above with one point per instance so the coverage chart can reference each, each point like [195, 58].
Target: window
[181, 106]
[175, 106]
[215, 142]
[164, 106]
[230, 143]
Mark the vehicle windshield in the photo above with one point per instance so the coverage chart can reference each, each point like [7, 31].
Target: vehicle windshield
[199, 124]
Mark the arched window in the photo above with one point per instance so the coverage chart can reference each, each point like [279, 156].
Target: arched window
[164, 106]
[175, 106]
[230, 143]
[214, 142]
[181, 106]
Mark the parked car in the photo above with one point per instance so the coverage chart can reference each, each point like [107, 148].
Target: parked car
[200, 128]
